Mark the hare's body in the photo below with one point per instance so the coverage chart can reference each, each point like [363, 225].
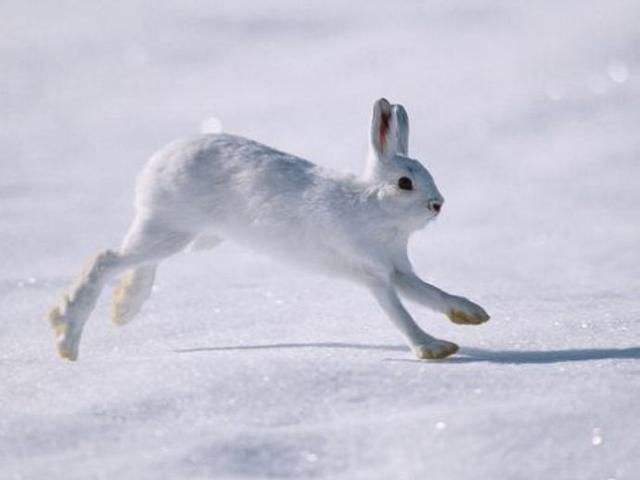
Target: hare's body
[223, 187]
[237, 189]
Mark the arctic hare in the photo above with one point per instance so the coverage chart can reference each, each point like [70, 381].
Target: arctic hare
[218, 186]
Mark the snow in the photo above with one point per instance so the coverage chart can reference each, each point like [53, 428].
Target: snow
[525, 113]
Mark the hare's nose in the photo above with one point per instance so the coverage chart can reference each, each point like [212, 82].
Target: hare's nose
[435, 206]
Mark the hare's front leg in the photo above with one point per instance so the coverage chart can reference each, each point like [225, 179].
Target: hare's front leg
[424, 345]
[459, 309]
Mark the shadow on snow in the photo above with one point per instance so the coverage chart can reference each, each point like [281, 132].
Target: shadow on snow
[465, 355]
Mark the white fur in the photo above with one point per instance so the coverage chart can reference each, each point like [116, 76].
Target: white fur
[221, 186]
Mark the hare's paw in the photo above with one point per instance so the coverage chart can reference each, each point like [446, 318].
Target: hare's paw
[435, 349]
[465, 312]
[126, 301]
[67, 339]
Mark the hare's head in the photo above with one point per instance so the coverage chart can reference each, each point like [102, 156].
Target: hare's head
[404, 187]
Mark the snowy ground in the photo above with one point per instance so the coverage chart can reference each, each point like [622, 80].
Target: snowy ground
[527, 114]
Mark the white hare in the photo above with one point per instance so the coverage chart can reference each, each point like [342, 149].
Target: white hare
[219, 186]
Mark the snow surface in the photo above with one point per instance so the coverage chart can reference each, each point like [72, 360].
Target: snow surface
[527, 114]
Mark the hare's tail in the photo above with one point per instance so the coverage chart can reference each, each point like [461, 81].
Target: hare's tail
[133, 289]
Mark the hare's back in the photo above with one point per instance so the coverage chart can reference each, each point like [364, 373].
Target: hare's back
[216, 174]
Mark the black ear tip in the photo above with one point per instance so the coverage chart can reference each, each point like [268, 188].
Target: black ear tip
[383, 105]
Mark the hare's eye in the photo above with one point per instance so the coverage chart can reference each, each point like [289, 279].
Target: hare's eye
[405, 183]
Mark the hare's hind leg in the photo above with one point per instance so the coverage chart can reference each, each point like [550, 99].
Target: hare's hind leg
[135, 286]
[146, 243]
[133, 289]
[68, 317]
[146, 239]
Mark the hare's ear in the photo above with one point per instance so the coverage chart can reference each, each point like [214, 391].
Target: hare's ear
[389, 130]
[400, 126]
[381, 128]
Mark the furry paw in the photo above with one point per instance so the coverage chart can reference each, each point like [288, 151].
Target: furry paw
[133, 289]
[435, 349]
[124, 305]
[67, 339]
[465, 312]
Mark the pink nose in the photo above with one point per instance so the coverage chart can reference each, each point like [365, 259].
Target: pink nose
[435, 206]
